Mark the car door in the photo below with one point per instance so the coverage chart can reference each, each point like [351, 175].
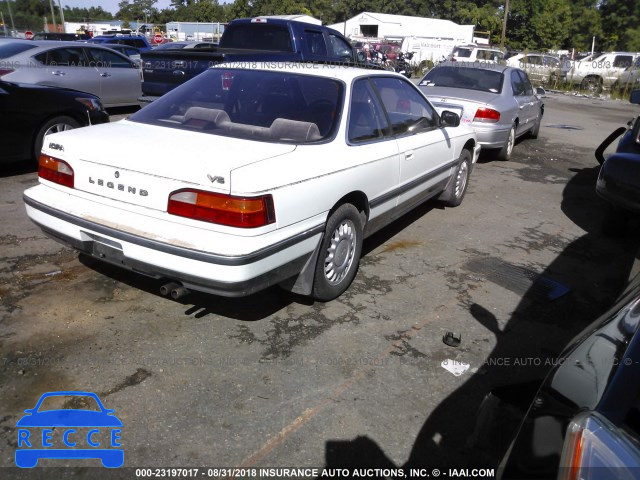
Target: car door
[120, 81]
[372, 145]
[522, 93]
[67, 67]
[426, 152]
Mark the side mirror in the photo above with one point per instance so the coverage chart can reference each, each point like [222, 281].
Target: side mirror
[449, 119]
[635, 97]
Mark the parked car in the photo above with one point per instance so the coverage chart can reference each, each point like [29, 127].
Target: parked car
[80, 66]
[252, 175]
[138, 41]
[597, 73]
[180, 45]
[474, 53]
[497, 101]
[31, 112]
[67, 37]
[619, 178]
[583, 422]
[542, 69]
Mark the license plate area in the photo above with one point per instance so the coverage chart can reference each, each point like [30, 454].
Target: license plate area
[106, 249]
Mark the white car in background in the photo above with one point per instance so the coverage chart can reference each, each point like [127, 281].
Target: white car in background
[476, 53]
[250, 175]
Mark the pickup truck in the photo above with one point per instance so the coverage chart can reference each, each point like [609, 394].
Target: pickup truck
[594, 74]
[247, 40]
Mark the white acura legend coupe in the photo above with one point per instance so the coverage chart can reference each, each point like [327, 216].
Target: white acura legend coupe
[252, 175]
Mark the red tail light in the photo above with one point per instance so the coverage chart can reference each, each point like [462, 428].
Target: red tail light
[4, 71]
[487, 115]
[55, 170]
[243, 212]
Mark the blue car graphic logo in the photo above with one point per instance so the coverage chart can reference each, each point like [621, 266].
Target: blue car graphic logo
[69, 433]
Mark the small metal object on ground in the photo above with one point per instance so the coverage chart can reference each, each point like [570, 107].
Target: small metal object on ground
[452, 339]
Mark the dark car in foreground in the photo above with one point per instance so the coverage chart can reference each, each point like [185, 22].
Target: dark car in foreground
[30, 112]
[584, 421]
[619, 179]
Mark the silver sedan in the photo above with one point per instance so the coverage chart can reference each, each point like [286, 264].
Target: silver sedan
[497, 101]
[90, 68]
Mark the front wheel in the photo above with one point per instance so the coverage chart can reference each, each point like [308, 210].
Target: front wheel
[339, 254]
[457, 188]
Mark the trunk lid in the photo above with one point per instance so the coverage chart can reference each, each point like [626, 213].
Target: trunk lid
[463, 102]
[142, 164]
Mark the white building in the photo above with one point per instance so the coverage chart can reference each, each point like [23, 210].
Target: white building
[426, 38]
[195, 31]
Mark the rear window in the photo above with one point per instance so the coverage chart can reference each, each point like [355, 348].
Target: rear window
[251, 104]
[10, 49]
[258, 36]
[464, 77]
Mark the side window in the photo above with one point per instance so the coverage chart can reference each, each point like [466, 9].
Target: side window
[622, 61]
[340, 48]
[366, 117]
[528, 89]
[138, 43]
[106, 59]
[408, 110]
[315, 42]
[517, 84]
[63, 57]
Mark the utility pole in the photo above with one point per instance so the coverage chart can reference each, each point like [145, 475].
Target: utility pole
[504, 24]
[64, 30]
[13, 27]
[53, 16]
[4, 27]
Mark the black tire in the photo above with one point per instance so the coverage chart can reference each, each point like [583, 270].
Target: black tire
[342, 241]
[592, 85]
[535, 131]
[56, 124]
[505, 152]
[457, 188]
[615, 221]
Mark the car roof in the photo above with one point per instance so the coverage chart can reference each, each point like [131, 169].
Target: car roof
[477, 65]
[337, 71]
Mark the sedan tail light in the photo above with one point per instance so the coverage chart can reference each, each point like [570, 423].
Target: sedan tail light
[487, 115]
[5, 71]
[243, 212]
[55, 170]
[595, 449]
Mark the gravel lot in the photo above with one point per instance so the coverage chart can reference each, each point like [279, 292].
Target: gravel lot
[275, 380]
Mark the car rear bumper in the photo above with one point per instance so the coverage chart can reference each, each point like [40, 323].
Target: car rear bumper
[492, 137]
[217, 273]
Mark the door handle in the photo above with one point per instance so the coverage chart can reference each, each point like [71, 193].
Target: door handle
[58, 73]
[105, 74]
[409, 155]
[178, 72]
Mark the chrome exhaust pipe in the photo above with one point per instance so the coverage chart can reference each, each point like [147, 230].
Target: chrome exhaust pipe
[166, 289]
[179, 292]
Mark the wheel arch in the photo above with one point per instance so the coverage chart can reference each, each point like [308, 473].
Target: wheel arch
[356, 198]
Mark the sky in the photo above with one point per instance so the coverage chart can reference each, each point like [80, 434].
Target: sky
[108, 5]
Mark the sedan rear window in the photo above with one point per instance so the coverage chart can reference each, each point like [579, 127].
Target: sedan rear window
[10, 49]
[464, 77]
[265, 37]
[251, 104]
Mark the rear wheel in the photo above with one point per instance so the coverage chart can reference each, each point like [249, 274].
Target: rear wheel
[535, 131]
[457, 188]
[505, 152]
[592, 85]
[339, 254]
[54, 125]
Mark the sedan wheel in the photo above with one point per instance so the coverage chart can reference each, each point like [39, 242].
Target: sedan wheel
[453, 195]
[54, 125]
[592, 85]
[340, 253]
